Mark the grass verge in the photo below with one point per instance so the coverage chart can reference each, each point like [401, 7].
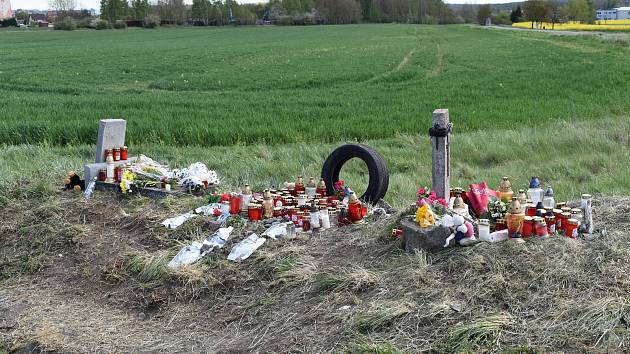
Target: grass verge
[573, 157]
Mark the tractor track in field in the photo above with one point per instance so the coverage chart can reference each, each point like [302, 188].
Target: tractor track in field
[407, 60]
[439, 62]
[404, 62]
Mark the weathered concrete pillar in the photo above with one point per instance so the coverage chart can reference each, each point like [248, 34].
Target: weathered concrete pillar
[111, 134]
[440, 135]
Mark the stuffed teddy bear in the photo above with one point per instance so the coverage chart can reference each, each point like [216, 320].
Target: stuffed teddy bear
[73, 182]
[464, 231]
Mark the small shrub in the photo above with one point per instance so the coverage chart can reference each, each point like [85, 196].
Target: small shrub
[151, 21]
[306, 19]
[502, 18]
[459, 20]
[102, 24]
[285, 21]
[85, 23]
[65, 24]
[430, 20]
[120, 24]
[10, 22]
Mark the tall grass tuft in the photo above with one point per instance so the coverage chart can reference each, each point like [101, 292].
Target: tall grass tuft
[148, 269]
[486, 332]
[381, 318]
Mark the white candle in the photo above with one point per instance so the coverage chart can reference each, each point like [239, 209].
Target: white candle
[484, 230]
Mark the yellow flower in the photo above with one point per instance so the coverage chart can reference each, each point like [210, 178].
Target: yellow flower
[424, 216]
[127, 181]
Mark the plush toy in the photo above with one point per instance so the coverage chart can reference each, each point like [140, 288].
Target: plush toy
[464, 232]
[73, 181]
[447, 220]
[424, 216]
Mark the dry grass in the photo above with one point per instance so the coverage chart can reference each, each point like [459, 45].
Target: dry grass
[381, 317]
[355, 279]
[375, 348]
[291, 271]
[346, 290]
[480, 333]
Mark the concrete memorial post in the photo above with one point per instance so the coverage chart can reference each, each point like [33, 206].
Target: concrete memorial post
[433, 237]
[111, 134]
[440, 135]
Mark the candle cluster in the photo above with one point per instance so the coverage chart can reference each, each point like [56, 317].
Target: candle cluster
[537, 213]
[306, 206]
[503, 214]
[114, 171]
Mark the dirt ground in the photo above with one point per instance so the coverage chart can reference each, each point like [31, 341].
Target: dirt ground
[89, 276]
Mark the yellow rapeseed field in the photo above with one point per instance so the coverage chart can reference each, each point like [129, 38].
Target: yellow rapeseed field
[613, 22]
[609, 25]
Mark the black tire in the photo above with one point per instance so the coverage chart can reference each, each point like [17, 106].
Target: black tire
[379, 176]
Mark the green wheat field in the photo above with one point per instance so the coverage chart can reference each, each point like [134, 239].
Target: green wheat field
[264, 104]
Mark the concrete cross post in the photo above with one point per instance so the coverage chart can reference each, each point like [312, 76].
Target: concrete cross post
[440, 134]
[111, 134]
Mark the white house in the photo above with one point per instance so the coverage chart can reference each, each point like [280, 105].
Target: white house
[623, 13]
[618, 13]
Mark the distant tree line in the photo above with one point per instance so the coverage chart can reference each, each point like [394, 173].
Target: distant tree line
[114, 10]
[122, 13]
[303, 12]
[535, 11]
[538, 11]
[311, 12]
[424, 11]
[219, 13]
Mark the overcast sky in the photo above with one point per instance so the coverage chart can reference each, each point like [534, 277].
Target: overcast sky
[87, 4]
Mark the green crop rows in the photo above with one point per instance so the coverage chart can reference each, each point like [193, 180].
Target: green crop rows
[276, 85]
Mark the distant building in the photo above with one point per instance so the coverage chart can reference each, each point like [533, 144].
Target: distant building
[5, 9]
[39, 18]
[79, 14]
[618, 13]
[53, 15]
[623, 13]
